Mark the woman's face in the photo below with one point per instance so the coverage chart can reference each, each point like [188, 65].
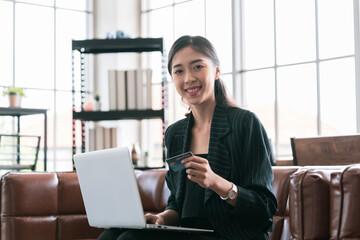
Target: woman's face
[194, 74]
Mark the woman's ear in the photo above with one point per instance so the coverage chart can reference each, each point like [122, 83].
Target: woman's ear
[217, 73]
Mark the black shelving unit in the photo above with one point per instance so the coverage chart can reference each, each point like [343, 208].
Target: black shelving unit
[126, 45]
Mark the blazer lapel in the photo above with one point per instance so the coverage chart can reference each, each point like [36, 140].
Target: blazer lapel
[218, 155]
[182, 138]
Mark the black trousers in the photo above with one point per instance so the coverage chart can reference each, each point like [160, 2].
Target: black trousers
[125, 234]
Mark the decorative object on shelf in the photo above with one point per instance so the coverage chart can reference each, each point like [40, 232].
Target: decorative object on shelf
[146, 159]
[15, 94]
[117, 34]
[97, 105]
[92, 105]
[135, 154]
[88, 106]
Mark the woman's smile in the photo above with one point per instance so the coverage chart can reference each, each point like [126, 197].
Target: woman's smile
[192, 91]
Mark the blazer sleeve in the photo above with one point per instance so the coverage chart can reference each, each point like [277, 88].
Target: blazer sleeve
[255, 197]
[171, 203]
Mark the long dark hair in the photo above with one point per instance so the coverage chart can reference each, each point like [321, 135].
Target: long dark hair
[205, 47]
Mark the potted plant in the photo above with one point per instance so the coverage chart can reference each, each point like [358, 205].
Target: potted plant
[15, 94]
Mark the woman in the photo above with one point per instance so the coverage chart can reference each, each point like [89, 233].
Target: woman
[226, 185]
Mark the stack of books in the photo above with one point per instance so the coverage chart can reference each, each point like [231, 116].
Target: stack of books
[102, 138]
[130, 89]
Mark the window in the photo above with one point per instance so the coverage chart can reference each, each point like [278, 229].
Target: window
[36, 56]
[291, 62]
[312, 58]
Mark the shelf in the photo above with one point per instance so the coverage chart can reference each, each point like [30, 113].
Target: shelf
[118, 115]
[16, 112]
[118, 45]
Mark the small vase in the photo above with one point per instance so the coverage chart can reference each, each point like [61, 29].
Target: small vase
[14, 100]
[97, 106]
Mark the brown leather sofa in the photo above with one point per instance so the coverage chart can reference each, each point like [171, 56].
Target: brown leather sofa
[314, 203]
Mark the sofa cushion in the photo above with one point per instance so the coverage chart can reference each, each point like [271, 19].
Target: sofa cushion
[345, 203]
[151, 187]
[309, 203]
[29, 228]
[75, 227]
[280, 188]
[31, 194]
[70, 199]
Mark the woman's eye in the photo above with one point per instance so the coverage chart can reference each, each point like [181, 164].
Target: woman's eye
[198, 67]
[178, 72]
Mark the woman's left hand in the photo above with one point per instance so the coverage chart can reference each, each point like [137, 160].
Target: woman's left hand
[199, 171]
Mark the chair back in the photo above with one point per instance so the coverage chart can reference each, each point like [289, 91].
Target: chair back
[333, 150]
[19, 152]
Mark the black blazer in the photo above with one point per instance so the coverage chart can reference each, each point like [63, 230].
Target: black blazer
[239, 151]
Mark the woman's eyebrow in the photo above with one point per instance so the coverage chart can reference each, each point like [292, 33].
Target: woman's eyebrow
[190, 63]
[196, 60]
[177, 65]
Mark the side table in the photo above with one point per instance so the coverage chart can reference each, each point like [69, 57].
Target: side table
[18, 112]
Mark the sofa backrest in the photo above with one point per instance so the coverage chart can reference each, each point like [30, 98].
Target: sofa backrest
[314, 203]
[50, 206]
[43, 206]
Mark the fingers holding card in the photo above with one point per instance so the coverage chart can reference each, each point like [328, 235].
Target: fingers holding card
[175, 162]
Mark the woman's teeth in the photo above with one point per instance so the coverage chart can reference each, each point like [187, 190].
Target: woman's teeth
[193, 90]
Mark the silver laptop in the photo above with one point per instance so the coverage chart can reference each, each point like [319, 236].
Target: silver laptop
[110, 192]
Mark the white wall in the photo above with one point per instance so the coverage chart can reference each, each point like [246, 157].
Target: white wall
[110, 16]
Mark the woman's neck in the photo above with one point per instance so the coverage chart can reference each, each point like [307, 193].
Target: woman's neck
[203, 113]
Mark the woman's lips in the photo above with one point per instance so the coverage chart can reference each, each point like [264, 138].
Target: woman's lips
[193, 90]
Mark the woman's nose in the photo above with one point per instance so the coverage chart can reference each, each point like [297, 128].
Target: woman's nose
[189, 77]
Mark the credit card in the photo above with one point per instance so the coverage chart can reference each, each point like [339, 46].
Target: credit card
[175, 162]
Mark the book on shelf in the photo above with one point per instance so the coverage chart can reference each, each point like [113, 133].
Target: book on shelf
[113, 132]
[139, 89]
[92, 144]
[121, 90]
[112, 90]
[148, 74]
[99, 138]
[107, 138]
[131, 89]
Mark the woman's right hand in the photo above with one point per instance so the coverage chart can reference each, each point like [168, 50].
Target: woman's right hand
[154, 219]
[168, 217]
